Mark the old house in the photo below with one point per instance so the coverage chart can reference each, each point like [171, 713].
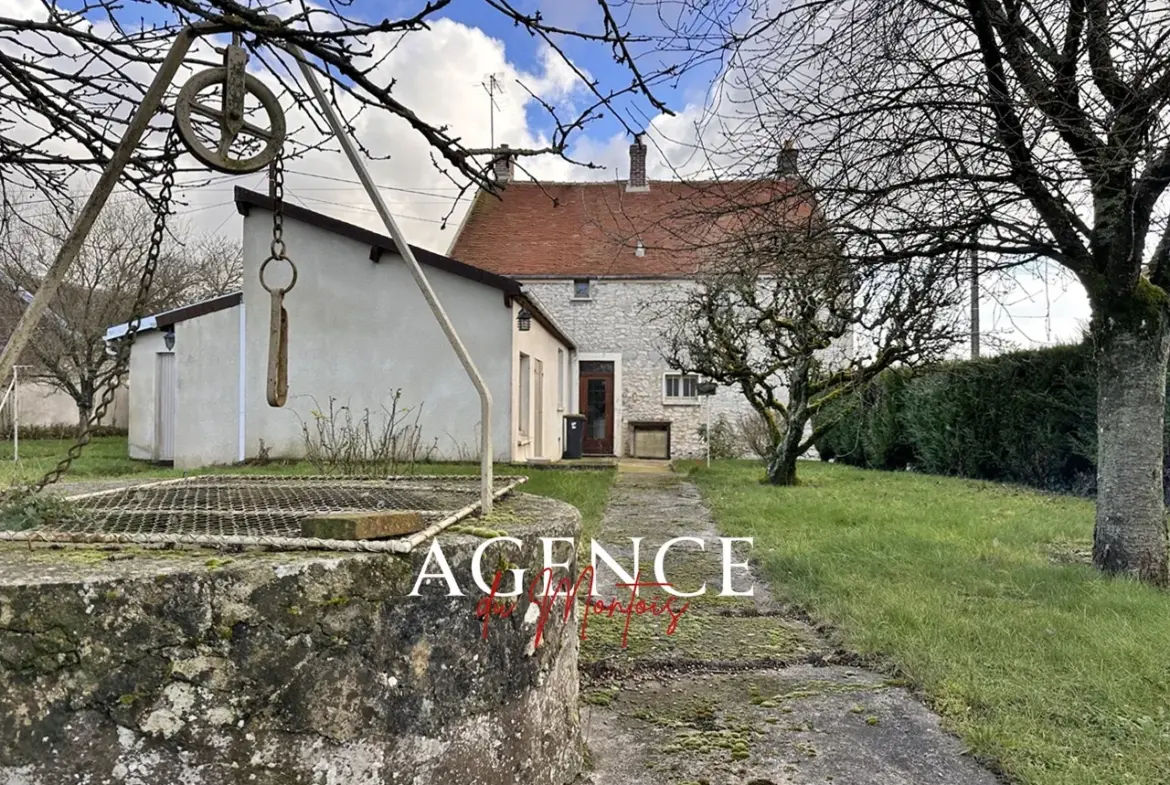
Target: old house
[359, 330]
[599, 256]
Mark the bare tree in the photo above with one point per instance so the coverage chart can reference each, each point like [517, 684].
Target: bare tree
[1040, 129]
[69, 349]
[791, 323]
[215, 266]
[69, 74]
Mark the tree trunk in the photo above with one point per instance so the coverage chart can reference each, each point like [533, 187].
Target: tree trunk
[84, 404]
[782, 465]
[1130, 534]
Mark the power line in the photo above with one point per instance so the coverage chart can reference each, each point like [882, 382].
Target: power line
[432, 192]
[364, 209]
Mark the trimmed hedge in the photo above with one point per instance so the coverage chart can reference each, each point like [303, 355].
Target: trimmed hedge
[1027, 417]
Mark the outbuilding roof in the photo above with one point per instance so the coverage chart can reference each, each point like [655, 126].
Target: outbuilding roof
[379, 244]
[172, 317]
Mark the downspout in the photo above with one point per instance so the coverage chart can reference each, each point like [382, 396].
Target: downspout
[243, 350]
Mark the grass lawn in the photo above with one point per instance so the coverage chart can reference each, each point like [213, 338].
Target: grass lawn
[106, 458]
[1047, 670]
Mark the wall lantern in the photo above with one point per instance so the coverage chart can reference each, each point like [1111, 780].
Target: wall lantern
[639, 249]
[169, 339]
[524, 320]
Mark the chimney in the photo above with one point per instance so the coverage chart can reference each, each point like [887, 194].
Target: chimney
[637, 180]
[786, 164]
[504, 166]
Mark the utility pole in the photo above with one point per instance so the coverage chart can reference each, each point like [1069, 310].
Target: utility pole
[974, 298]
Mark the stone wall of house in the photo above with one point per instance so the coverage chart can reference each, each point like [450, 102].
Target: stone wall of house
[158, 668]
[616, 320]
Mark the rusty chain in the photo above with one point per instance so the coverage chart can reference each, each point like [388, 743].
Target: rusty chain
[277, 249]
[111, 381]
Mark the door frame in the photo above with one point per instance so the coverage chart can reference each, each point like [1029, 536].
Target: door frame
[619, 441]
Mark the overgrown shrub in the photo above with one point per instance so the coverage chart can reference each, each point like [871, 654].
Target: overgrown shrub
[725, 439]
[753, 432]
[867, 429]
[341, 442]
[1026, 417]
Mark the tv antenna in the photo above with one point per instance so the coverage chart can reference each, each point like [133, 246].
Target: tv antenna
[491, 85]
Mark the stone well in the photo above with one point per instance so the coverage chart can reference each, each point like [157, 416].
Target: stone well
[136, 667]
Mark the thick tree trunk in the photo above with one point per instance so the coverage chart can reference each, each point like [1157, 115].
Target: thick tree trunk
[782, 465]
[1130, 535]
[84, 408]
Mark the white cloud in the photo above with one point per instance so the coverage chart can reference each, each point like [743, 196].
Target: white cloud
[439, 74]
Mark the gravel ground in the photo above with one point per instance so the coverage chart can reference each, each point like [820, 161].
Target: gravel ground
[91, 486]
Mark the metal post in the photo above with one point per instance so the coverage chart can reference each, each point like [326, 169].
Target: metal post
[139, 123]
[974, 300]
[420, 278]
[15, 415]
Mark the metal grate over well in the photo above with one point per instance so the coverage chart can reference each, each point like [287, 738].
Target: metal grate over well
[261, 510]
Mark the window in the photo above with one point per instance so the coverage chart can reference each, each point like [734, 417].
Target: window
[681, 388]
[582, 289]
[560, 380]
[525, 387]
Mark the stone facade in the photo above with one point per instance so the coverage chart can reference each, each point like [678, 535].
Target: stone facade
[615, 321]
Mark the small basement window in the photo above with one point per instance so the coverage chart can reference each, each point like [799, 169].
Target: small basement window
[582, 289]
[681, 388]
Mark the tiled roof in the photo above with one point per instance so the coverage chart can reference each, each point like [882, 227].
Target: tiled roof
[593, 229]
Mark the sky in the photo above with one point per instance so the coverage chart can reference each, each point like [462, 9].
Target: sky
[441, 74]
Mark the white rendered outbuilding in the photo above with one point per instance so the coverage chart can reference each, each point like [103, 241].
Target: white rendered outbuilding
[359, 330]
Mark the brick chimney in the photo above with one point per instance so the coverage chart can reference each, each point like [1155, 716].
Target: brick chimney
[504, 167]
[787, 161]
[638, 180]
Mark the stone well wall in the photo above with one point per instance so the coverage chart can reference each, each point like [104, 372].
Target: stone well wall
[140, 668]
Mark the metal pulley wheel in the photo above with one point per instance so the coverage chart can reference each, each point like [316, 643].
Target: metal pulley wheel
[235, 85]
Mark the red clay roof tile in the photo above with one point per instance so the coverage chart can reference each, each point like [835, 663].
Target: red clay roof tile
[592, 229]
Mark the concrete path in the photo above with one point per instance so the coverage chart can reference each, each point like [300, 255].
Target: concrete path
[740, 693]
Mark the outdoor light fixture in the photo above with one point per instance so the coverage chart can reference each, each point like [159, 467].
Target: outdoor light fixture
[169, 339]
[640, 250]
[524, 320]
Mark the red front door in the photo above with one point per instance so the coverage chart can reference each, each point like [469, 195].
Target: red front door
[596, 398]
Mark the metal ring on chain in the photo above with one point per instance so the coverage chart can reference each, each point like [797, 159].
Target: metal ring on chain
[280, 290]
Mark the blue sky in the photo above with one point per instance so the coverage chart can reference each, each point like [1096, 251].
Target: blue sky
[522, 49]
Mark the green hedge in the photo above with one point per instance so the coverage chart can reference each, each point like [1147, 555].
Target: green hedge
[1027, 417]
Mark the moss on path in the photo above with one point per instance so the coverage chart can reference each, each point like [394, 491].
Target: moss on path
[738, 692]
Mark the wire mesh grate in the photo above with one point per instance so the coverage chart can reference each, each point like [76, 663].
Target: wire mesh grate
[267, 510]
